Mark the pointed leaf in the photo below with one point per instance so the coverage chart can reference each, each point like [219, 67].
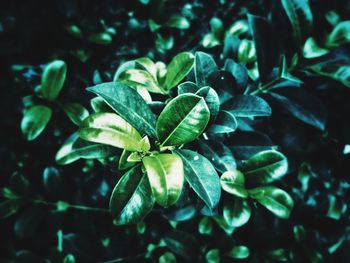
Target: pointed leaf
[237, 212]
[339, 35]
[205, 69]
[35, 120]
[53, 79]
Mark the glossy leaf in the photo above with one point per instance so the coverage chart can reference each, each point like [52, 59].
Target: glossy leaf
[123, 163]
[213, 256]
[312, 50]
[110, 129]
[238, 252]
[265, 167]
[237, 212]
[225, 122]
[274, 199]
[132, 198]
[178, 69]
[239, 72]
[35, 120]
[129, 105]
[182, 120]
[201, 176]
[205, 226]
[99, 105]
[76, 112]
[340, 35]
[187, 87]
[166, 176]
[211, 99]
[75, 148]
[53, 79]
[233, 182]
[205, 69]
[248, 106]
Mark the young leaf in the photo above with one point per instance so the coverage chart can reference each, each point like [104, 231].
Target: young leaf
[233, 182]
[182, 120]
[110, 129]
[265, 167]
[178, 68]
[76, 112]
[300, 17]
[274, 199]
[75, 148]
[248, 106]
[237, 212]
[166, 175]
[132, 198]
[201, 176]
[129, 105]
[35, 120]
[205, 69]
[53, 79]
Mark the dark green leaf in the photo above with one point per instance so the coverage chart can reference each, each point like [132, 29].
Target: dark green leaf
[35, 120]
[237, 212]
[213, 256]
[99, 105]
[182, 120]
[238, 252]
[205, 226]
[76, 112]
[187, 87]
[132, 198]
[182, 243]
[211, 99]
[205, 69]
[339, 35]
[129, 105]
[225, 123]
[248, 106]
[201, 176]
[53, 79]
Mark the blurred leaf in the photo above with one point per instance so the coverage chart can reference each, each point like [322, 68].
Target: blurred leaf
[53, 79]
[177, 21]
[8, 208]
[237, 212]
[246, 52]
[76, 112]
[340, 35]
[53, 183]
[28, 221]
[205, 226]
[132, 198]
[35, 120]
[102, 38]
[182, 243]
[312, 50]
[238, 252]
[167, 257]
[213, 256]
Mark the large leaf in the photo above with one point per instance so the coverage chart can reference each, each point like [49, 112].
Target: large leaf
[300, 17]
[274, 199]
[166, 176]
[129, 105]
[178, 69]
[302, 105]
[35, 120]
[339, 35]
[182, 120]
[201, 176]
[265, 167]
[248, 106]
[132, 198]
[110, 129]
[219, 155]
[205, 69]
[75, 148]
[76, 112]
[53, 79]
[239, 72]
[211, 99]
[233, 182]
[237, 212]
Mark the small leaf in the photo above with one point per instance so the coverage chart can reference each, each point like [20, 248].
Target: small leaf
[179, 22]
[183, 244]
[248, 106]
[238, 252]
[205, 226]
[110, 129]
[340, 35]
[312, 50]
[187, 87]
[123, 160]
[35, 120]
[132, 198]
[274, 199]
[178, 69]
[53, 79]
[205, 69]
[225, 122]
[201, 176]
[182, 120]
[233, 182]
[76, 112]
[129, 105]
[99, 105]
[167, 257]
[166, 176]
[239, 72]
[213, 256]
[265, 167]
[237, 212]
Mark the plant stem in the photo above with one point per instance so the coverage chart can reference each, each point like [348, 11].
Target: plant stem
[264, 88]
[67, 206]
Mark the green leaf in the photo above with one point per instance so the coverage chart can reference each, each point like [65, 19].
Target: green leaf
[182, 120]
[274, 199]
[76, 112]
[238, 252]
[246, 52]
[123, 163]
[265, 167]
[132, 198]
[179, 22]
[248, 106]
[110, 129]
[138, 78]
[182, 243]
[201, 176]
[340, 35]
[53, 79]
[167, 257]
[147, 64]
[211, 99]
[75, 148]
[102, 38]
[213, 256]
[99, 105]
[233, 182]
[205, 69]
[129, 105]
[187, 87]
[237, 212]
[300, 17]
[312, 50]
[8, 208]
[178, 69]
[210, 40]
[205, 226]
[35, 120]
[225, 122]
[166, 176]
[224, 225]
